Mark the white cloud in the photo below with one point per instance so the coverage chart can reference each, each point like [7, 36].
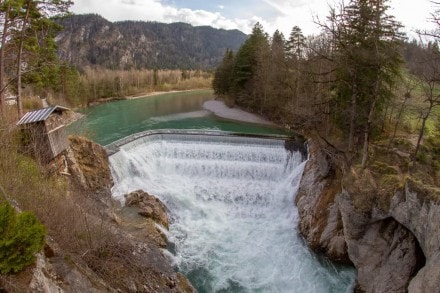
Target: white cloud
[284, 14]
[413, 15]
[296, 13]
[155, 10]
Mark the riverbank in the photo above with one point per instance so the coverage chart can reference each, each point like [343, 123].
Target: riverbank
[139, 96]
[217, 107]
[156, 93]
[220, 109]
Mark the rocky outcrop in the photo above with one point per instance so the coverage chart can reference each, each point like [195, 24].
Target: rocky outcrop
[56, 273]
[145, 216]
[124, 247]
[377, 219]
[418, 209]
[320, 217]
[89, 166]
[150, 206]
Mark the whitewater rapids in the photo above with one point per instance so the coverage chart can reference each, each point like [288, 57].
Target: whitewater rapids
[231, 204]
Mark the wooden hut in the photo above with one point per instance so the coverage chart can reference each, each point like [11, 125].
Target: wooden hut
[44, 132]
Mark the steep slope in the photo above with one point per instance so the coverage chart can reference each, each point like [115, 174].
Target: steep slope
[92, 40]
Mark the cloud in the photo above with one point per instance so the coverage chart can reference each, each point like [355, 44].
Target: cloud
[156, 10]
[272, 14]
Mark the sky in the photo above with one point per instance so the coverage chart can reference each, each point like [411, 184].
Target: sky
[243, 14]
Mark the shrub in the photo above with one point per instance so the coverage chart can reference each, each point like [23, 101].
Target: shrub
[21, 236]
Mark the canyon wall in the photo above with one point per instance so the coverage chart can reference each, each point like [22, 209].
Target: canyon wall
[379, 219]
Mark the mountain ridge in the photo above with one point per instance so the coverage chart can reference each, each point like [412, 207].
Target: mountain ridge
[91, 40]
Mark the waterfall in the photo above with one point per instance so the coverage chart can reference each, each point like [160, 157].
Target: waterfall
[231, 203]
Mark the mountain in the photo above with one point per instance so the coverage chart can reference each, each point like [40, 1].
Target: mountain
[92, 40]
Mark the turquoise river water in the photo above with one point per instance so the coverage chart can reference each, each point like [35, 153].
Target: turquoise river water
[108, 122]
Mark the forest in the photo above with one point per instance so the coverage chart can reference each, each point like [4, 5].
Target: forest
[91, 40]
[360, 80]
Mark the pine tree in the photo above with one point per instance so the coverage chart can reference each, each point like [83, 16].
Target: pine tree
[278, 78]
[223, 74]
[21, 236]
[366, 53]
[27, 37]
[295, 46]
[250, 70]
[295, 51]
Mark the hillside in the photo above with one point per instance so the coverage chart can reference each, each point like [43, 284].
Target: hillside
[93, 40]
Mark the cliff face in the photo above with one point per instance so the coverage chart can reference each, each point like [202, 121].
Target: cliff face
[89, 165]
[386, 225]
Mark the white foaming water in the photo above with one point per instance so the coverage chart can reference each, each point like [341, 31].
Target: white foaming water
[233, 219]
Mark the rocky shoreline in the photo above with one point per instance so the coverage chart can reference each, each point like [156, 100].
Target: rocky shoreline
[382, 222]
[386, 225]
[135, 234]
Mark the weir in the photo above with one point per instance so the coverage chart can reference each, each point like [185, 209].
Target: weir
[231, 202]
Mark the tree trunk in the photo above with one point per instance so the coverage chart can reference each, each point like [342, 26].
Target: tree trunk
[352, 118]
[399, 116]
[19, 59]
[370, 121]
[2, 60]
[367, 135]
[385, 117]
[422, 130]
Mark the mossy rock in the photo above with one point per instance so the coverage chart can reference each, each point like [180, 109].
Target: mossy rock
[424, 191]
[362, 187]
[387, 187]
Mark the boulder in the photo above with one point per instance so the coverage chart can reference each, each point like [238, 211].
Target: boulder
[89, 165]
[145, 217]
[150, 206]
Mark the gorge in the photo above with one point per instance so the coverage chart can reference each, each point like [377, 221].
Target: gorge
[354, 217]
[230, 198]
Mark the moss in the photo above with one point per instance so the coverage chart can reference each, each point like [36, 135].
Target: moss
[382, 168]
[423, 191]
[422, 157]
[387, 187]
[403, 144]
[361, 185]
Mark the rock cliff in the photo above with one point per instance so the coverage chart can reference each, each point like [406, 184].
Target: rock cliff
[89, 166]
[126, 256]
[384, 223]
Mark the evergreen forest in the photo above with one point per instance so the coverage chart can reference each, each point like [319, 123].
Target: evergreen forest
[359, 80]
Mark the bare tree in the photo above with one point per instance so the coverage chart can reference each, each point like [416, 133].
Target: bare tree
[409, 85]
[428, 70]
[429, 82]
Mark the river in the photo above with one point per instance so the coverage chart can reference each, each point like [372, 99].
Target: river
[108, 122]
[230, 198]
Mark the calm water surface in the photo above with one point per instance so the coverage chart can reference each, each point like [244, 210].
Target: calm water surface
[108, 122]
